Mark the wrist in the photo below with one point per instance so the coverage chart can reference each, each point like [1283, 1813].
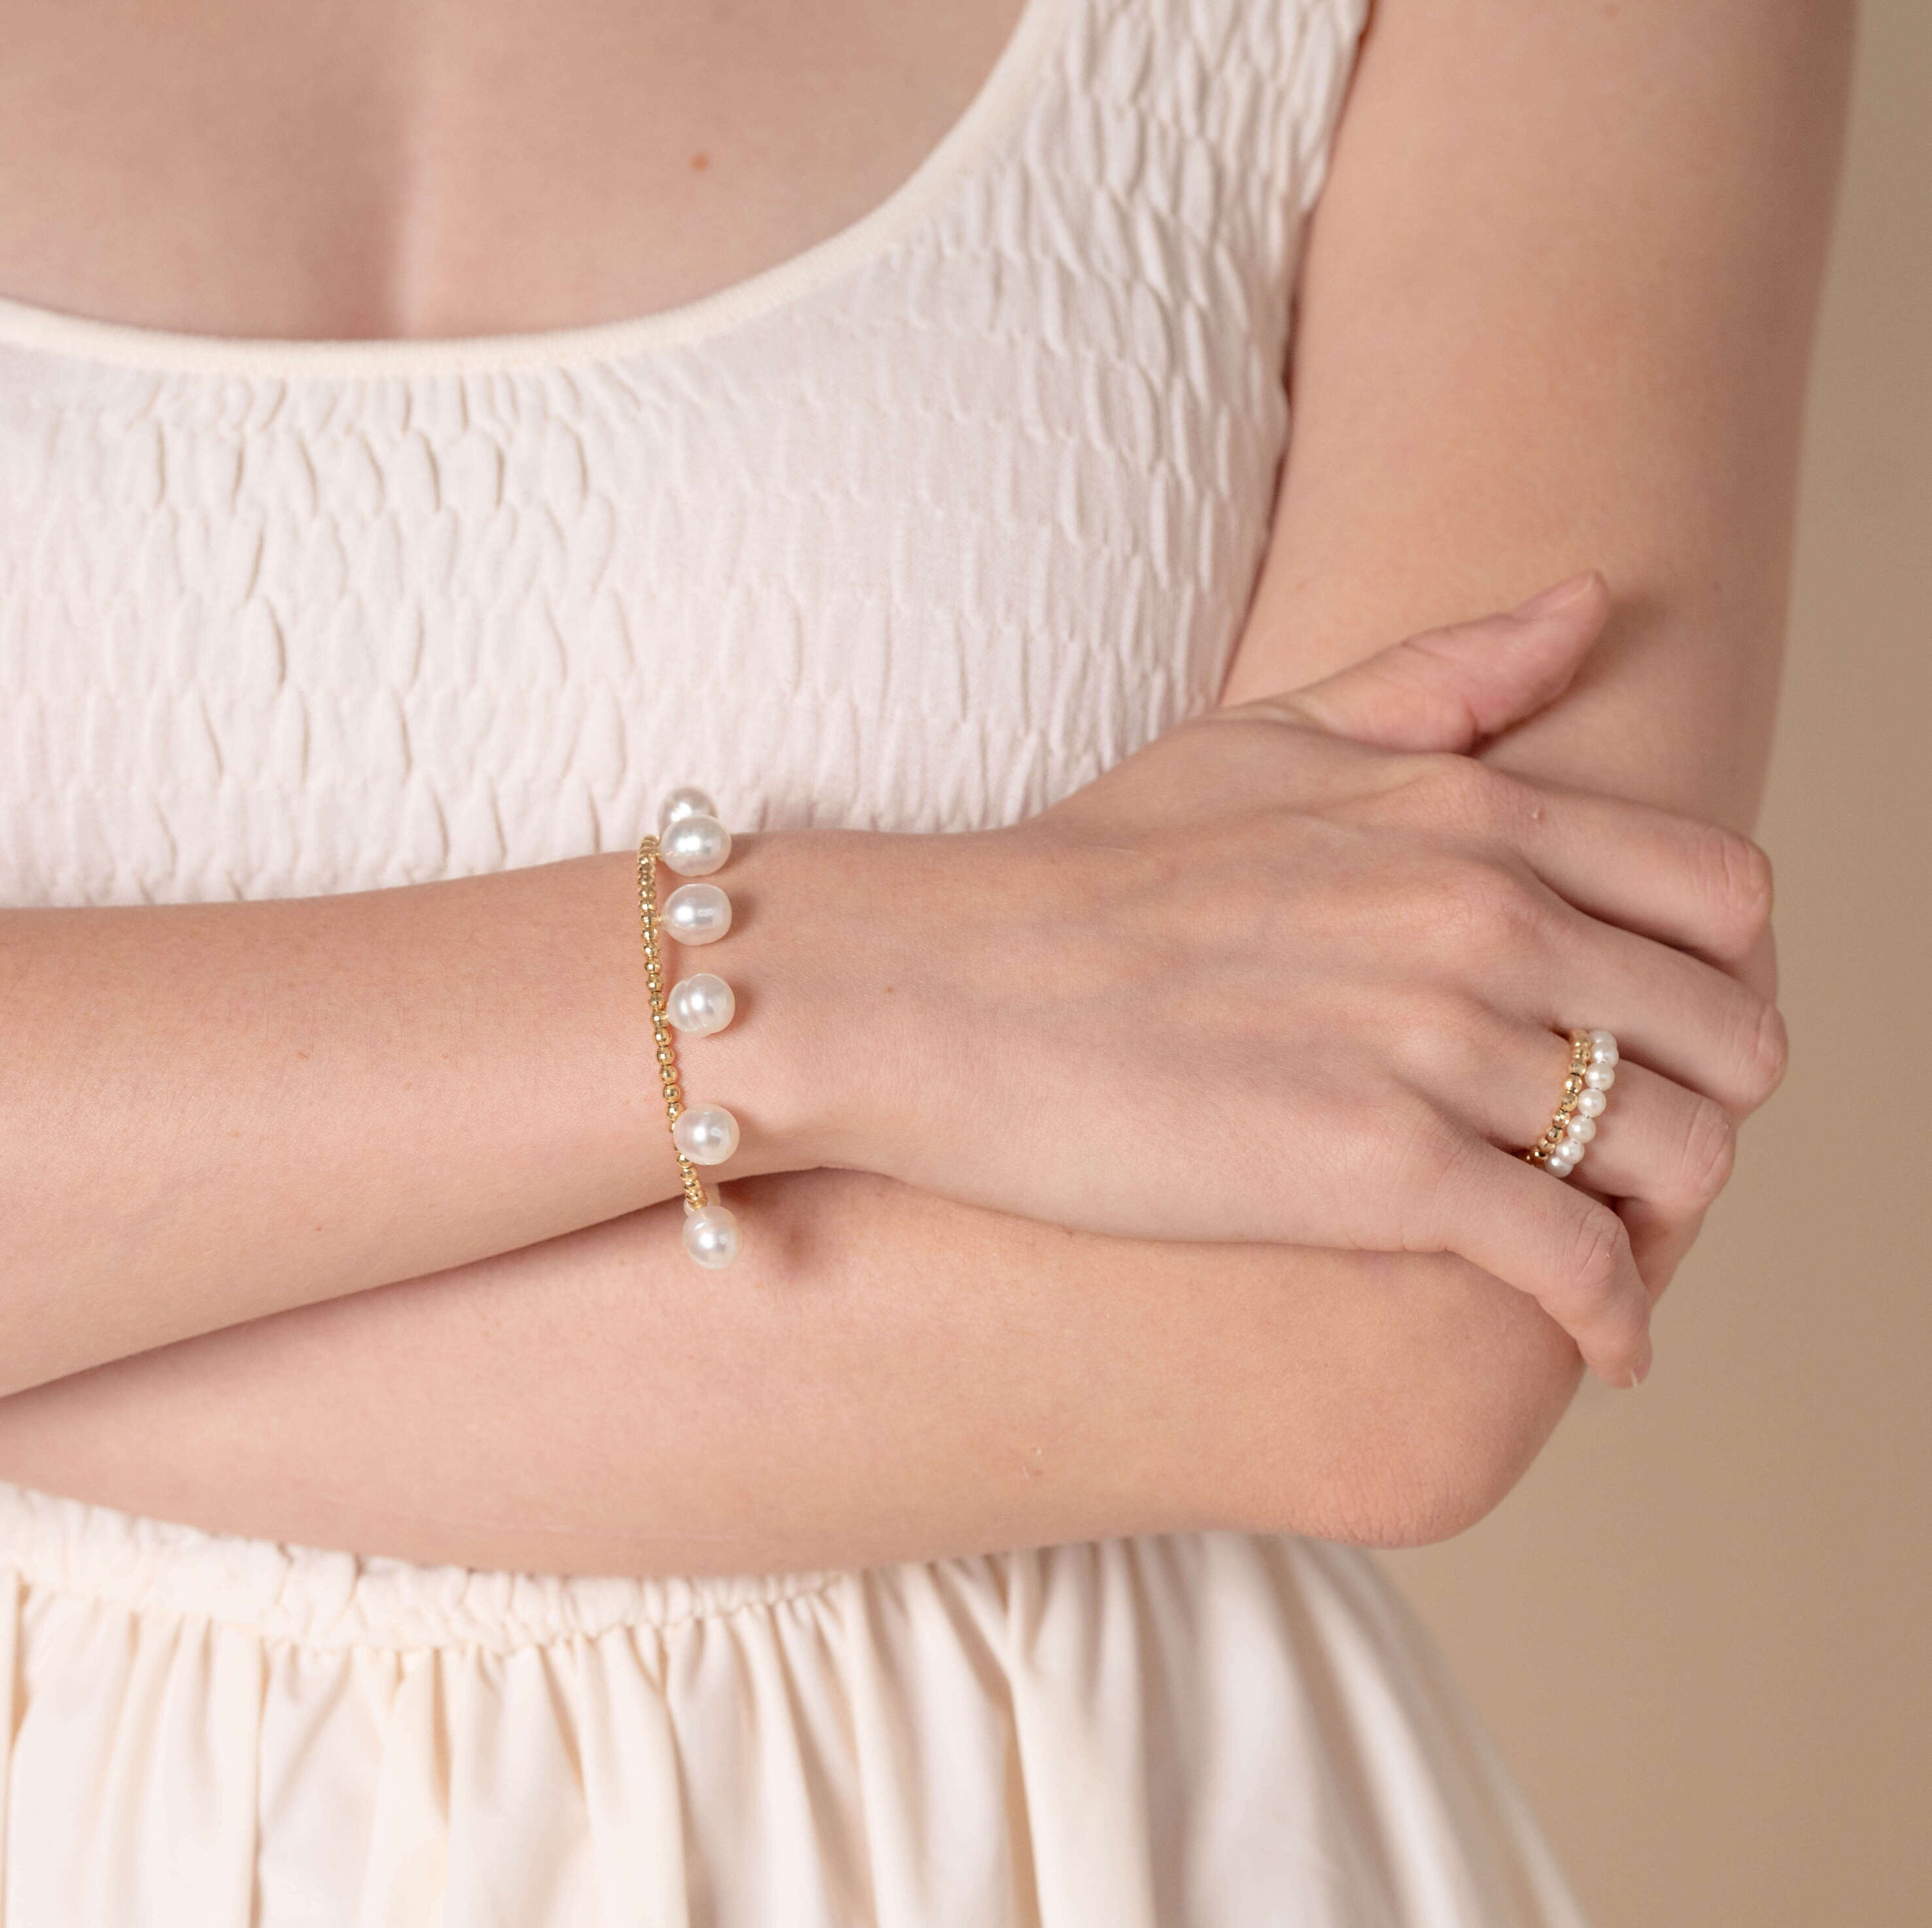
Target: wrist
[792, 1067]
[856, 961]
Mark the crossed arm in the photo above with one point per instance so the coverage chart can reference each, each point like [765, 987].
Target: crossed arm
[1554, 313]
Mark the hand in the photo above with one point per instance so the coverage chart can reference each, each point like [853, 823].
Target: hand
[1301, 971]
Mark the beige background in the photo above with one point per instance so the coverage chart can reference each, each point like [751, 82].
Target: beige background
[1701, 1628]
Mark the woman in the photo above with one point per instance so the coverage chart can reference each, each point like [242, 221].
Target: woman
[428, 435]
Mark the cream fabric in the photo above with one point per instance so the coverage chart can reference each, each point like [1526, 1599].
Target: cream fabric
[920, 529]
[1210, 1730]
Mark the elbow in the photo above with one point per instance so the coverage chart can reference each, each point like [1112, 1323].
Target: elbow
[1458, 1419]
[1408, 1491]
[1439, 1412]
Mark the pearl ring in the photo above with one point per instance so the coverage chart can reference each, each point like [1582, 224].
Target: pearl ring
[1593, 1070]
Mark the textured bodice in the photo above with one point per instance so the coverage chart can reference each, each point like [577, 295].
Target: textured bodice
[918, 529]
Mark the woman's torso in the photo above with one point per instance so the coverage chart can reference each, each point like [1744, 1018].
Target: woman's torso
[923, 527]
[919, 527]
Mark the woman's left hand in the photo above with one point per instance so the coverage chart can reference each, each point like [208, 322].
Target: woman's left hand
[1393, 713]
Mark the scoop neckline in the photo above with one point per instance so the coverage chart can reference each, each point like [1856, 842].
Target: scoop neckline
[986, 117]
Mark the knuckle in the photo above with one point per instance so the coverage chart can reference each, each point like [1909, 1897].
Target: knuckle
[1482, 904]
[1458, 793]
[1508, 800]
[1492, 798]
[1414, 1018]
[1709, 1150]
[1599, 1252]
[1437, 1036]
[1736, 879]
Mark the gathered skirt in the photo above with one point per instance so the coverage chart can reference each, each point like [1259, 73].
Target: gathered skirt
[1192, 1731]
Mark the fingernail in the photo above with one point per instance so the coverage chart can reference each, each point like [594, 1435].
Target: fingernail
[1552, 600]
[1640, 1371]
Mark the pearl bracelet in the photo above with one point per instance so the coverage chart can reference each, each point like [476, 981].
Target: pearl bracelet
[691, 841]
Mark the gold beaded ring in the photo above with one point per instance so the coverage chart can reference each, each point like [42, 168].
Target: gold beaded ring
[1593, 1070]
[692, 842]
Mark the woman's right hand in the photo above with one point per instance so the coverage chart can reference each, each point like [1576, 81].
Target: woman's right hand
[1302, 970]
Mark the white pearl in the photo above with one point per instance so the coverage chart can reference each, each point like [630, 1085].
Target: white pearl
[1599, 1077]
[1582, 1130]
[1558, 1165]
[695, 846]
[700, 1004]
[1590, 1104]
[1602, 1041]
[707, 1134]
[1604, 1053]
[711, 1236]
[682, 803]
[697, 913]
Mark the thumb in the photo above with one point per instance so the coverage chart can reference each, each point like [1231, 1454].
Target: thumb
[1448, 688]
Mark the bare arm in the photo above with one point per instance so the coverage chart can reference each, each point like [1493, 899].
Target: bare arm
[899, 1378]
[212, 1113]
[1556, 312]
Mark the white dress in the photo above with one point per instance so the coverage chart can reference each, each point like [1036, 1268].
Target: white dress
[920, 529]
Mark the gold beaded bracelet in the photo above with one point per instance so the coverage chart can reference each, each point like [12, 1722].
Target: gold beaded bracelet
[691, 841]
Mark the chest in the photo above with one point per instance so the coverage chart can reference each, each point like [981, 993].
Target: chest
[920, 527]
[422, 167]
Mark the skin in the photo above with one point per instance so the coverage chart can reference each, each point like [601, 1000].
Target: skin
[1315, 946]
[1471, 422]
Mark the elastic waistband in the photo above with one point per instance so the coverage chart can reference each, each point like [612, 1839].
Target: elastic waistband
[314, 1597]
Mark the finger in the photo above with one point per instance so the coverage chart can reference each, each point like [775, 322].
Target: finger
[1570, 1252]
[1695, 885]
[1449, 688]
[1551, 966]
[1650, 1145]
[1677, 1014]
[1647, 1138]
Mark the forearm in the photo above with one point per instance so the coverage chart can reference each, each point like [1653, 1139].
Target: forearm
[890, 1376]
[1555, 312]
[212, 1113]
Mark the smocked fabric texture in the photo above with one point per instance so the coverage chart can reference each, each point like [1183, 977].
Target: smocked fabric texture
[924, 547]
[920, 531]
